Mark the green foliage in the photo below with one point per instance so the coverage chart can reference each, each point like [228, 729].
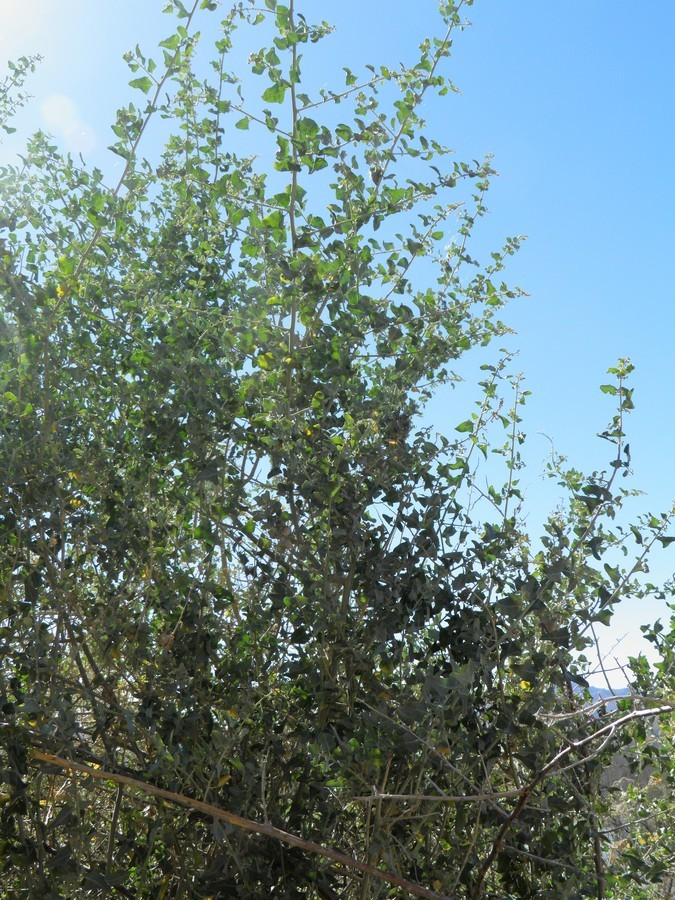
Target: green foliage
[233, 563]
[11, 96]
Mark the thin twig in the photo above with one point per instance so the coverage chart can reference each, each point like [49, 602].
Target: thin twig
[438, 798]
[113, 829]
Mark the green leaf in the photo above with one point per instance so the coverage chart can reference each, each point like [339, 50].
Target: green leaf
[604, 616]
[143, 84]
[273, 220]
[465, 427]
[171, 43]
[242, 124]
[275, 93]
[350, 77]
[614, 573]
[66, 265]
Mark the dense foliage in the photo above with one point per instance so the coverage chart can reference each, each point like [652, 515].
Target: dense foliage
[235, 566]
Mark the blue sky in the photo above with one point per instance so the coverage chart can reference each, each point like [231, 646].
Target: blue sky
[575, 100]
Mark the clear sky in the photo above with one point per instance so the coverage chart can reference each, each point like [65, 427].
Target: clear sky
[575, 100]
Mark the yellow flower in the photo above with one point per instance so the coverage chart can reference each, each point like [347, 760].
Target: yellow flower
[60, 292]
